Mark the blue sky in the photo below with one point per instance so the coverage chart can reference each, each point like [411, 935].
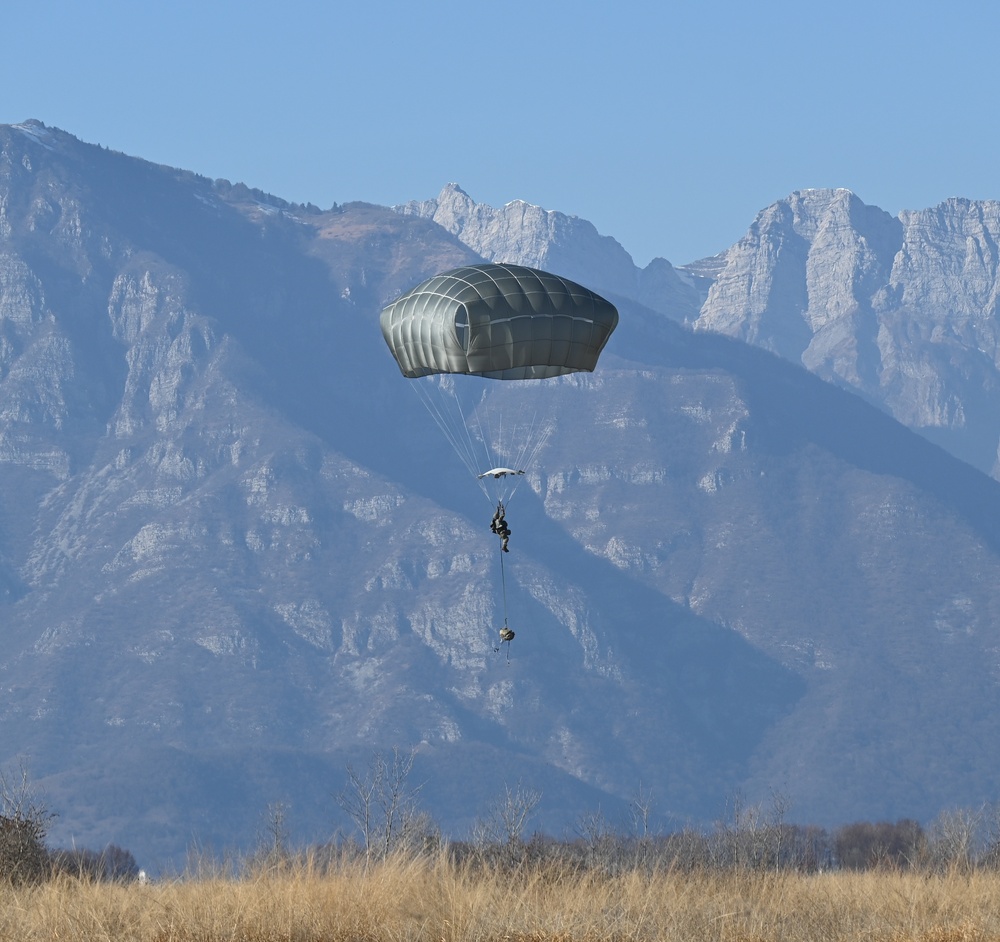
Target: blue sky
[667, 125]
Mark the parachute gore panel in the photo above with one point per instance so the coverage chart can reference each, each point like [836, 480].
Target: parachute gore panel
[498, 321]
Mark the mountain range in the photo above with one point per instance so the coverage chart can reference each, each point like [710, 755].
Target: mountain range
[757, 553]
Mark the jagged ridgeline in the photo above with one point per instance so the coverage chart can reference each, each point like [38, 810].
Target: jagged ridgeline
[235, 557]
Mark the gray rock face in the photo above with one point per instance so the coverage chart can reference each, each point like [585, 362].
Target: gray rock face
[903, 310]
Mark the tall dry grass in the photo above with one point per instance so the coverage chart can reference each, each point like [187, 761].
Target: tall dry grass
[434, 900]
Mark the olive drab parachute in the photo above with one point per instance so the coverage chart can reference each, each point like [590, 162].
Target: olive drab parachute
[499, 321]
[455, 333]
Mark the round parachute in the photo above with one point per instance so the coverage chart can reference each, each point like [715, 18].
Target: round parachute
[455, 333]
[503, 322]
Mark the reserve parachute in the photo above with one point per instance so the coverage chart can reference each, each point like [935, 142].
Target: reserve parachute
[458, 332]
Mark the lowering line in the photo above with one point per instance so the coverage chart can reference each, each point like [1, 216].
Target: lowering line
[505, 633]
[503, 582]
[500, 528]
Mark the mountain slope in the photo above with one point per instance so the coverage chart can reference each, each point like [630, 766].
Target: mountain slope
[235, 556]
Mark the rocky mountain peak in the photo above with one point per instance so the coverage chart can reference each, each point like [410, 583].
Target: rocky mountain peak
[801, 279]
[524, 234]
[901, 309]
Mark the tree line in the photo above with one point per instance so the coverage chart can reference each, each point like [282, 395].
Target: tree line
[382, 805]
[384, 809]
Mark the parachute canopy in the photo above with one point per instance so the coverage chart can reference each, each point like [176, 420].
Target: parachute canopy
[498, 321]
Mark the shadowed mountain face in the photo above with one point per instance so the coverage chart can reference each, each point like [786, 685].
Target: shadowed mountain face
[236, 553]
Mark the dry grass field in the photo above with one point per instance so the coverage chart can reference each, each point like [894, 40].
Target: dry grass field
[437, 901]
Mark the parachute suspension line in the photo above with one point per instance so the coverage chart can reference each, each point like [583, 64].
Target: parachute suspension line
[503, 583]
[466, 424]
[455, 431]
[482, 433]
[532, 441]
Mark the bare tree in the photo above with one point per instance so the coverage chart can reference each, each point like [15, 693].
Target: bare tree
[382, 804]
[499, 834]
[777, 833]
[603, 846]
[640, 808]
[734, 838]
[865, 845]
[272, 841]
[24, 824]
[955, 838]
